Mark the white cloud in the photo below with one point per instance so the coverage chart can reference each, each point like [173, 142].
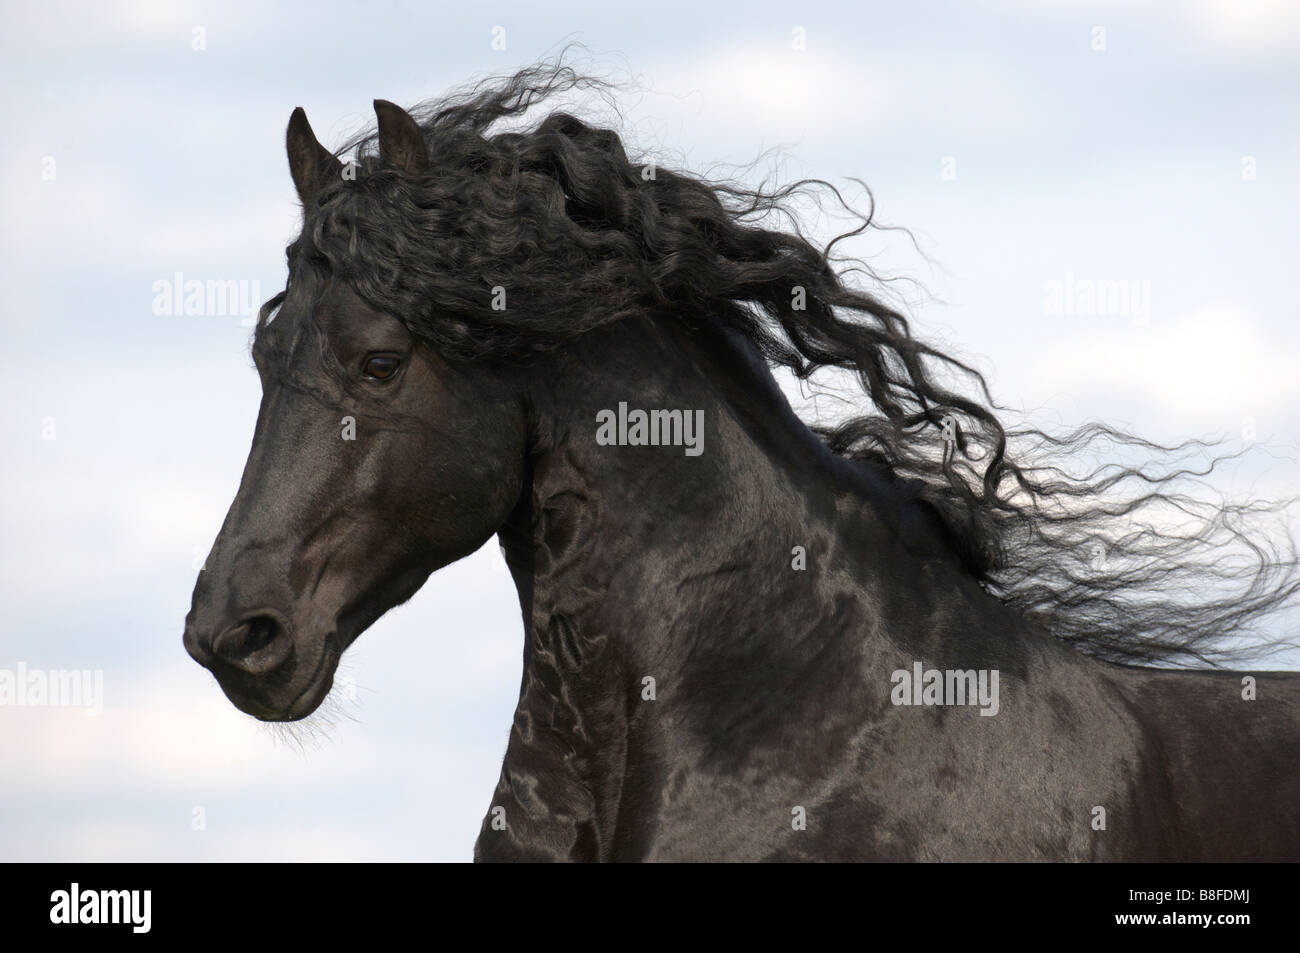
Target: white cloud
[1200, 364]
[1247, 27]
[1228, 29]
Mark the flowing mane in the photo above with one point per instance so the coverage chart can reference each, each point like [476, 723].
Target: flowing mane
[1108, 540]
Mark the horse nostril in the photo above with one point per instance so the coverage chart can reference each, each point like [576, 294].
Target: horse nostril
[261, 630]
[256, 645]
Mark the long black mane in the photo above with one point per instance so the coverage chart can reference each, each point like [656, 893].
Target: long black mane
[1108, 540]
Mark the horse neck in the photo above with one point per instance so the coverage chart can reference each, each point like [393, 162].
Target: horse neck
[635, 555]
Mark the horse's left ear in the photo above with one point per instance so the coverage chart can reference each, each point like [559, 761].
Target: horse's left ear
[310, 163]
[401, 143]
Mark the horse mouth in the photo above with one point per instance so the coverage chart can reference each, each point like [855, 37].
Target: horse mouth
[279, 695]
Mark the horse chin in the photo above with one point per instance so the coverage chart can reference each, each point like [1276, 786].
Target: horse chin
[275, 700]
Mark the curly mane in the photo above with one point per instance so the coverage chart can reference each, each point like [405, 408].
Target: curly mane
[1131, 560]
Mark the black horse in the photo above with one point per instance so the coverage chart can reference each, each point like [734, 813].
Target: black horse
[915, 634]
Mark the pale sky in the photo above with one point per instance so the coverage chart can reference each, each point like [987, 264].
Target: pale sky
[1021, 146]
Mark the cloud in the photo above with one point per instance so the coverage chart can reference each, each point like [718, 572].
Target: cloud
[1200, 364]
[1246, 28]
[1235, 30]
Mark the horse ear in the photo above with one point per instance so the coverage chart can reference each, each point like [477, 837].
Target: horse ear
[401, 143]
[310, 163]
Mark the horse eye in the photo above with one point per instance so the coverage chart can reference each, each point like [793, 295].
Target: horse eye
[382, 368]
